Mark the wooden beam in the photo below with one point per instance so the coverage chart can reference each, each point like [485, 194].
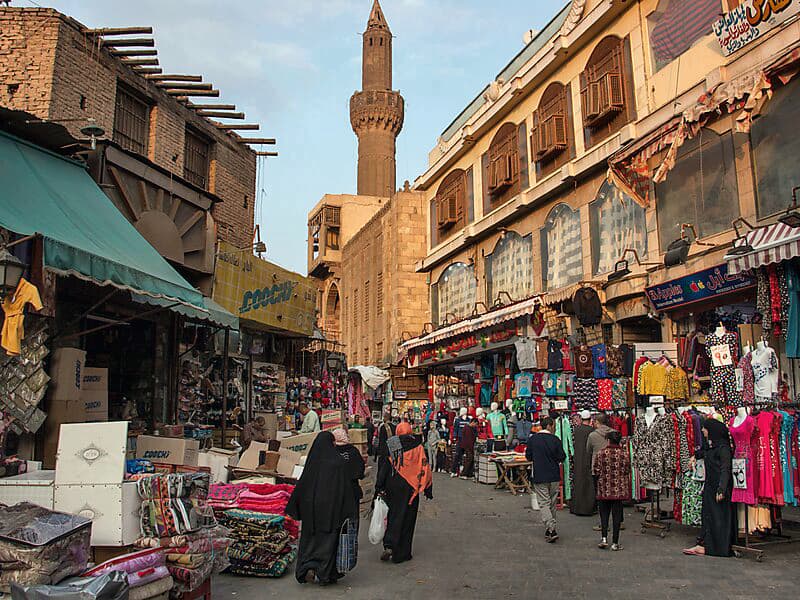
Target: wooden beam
[142, 52]
[123, 192]
[149, 42]
[213, 106]
[183, 93]
[242, 140]
[140, 62]
[184, 86]
[266, 154]
[189, 223]
[242, 126]
[121, 30]
[146, 70]
[169, 77]
[144, 195]
[219, 114]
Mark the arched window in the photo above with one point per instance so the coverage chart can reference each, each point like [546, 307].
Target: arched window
[332, 323]
[606, 90]
[509, 268]
[676, 25]
[455, 293]
[776, 146]
[617, 223]
[505, 166]
[552, 140]
[562, 260]
[701, 189]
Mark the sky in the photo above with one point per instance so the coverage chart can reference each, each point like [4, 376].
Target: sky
[292, 65]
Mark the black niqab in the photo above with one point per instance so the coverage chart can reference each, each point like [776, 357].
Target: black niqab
[323, 498]
[717, 433]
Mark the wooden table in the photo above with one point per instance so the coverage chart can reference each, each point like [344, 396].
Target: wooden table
[513, 475]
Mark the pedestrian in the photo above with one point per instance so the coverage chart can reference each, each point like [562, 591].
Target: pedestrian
[598, 439]
[469, 437]
[356, 466]
[310, 419]
[583, 493]
[718, 527]
[612, 468]
[385, 430]
[370, 426]
[254, 431]
[433, 446]
[322, 501]
[546, 453]
[401, 486]
[459, 423]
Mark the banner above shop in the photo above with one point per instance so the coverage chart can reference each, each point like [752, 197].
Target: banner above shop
[467, 346]
[259, 291]
[750, 21]
[696, 287]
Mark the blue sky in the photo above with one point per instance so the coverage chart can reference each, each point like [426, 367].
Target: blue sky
[292, 65]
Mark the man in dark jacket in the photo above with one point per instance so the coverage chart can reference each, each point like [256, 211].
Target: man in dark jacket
[546, 453]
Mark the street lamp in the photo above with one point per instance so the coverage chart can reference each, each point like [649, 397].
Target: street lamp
[11, 269]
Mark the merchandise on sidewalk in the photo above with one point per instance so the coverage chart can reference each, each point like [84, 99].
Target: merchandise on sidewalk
[261, 545]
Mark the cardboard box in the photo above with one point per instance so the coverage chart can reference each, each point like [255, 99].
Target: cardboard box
[251, 459]
[66, 373]
[270, 461]
[357, 436]
[299, 443]
[171, 451]
[218, 461]
[94, 392]
[287, 461]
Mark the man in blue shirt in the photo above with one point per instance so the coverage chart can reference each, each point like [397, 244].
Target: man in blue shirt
[546, 453]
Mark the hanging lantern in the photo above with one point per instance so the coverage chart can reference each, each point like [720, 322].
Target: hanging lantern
[11, 269]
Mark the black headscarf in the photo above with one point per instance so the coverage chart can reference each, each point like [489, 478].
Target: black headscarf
[323, 498]
[717, 433]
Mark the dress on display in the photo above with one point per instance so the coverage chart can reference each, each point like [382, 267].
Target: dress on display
[653, 450]
[742, 439]
[723, 376]
[787, 427]
[766, 483]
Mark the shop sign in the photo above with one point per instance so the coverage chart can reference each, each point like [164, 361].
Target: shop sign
[750, 21]
[465, 344]
[702, 285]
[260, 291]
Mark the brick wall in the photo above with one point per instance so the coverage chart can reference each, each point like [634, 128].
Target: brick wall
[381, 258]
[50, 68]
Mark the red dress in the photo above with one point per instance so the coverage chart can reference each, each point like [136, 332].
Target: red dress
[743, 441]
[766, 481]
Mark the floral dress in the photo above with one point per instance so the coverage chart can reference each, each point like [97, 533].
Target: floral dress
[723, 377]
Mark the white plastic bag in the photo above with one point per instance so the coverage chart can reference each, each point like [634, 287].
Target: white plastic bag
[377, 525]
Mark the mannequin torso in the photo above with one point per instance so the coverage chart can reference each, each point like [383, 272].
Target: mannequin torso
[649, 415]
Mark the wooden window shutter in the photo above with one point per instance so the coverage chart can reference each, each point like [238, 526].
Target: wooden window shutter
[452, 207]
[486, 197]
[616, 91]
[535, 141]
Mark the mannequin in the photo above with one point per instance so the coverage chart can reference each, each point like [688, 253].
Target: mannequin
[760, 345]
[484, 429]
[511, 419]
[720, 330]
[661, 411]
[741, 415]
[499, 427]
[649, 415]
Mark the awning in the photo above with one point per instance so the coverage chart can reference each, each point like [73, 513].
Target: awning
[84, 234]
[771, 244]
[211, 312]
[490, 319]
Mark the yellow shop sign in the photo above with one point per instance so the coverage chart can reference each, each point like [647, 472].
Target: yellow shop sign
[260, 291]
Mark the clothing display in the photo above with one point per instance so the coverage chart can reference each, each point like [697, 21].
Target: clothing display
[745, 444]
[587, 306]
[599, 366]
[766, 376]
[723, 352]
[13, 306]
[653, 450]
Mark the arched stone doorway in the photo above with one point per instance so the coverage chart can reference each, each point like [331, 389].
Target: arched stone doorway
[332, 315]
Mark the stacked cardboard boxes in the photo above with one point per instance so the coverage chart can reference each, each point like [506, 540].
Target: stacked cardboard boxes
[94, 392]
[65, 404]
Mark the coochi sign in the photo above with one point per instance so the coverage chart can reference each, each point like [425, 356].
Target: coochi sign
[750, 21]
[262, 298]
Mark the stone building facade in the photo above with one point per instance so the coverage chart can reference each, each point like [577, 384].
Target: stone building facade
[520, 198]
[57, 69]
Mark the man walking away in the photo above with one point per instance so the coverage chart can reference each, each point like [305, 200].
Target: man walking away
[467, 444]
[546, 453]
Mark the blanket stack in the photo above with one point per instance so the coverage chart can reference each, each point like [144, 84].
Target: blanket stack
[266, 498]
[261, 544]
[146, 572]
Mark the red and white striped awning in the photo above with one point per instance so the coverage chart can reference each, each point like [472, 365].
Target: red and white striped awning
[771, 244]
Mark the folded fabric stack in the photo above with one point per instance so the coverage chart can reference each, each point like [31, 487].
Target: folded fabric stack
[261, 544]
[264, 498]
[174, 504]
[146, 570]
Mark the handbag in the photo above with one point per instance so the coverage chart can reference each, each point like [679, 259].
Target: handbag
[347, 553]
[739, 473]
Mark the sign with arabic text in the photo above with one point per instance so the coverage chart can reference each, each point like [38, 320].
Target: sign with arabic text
[702, 285]
[750, 21]
[260, 291]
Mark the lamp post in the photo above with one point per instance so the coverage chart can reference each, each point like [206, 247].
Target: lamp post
[11, 269]
[332, 362]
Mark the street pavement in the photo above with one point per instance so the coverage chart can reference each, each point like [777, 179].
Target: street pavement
[473, 541]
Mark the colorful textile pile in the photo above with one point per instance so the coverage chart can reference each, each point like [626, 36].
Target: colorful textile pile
[263, 498]
[174, 504]
[261, 544]
[146, 572]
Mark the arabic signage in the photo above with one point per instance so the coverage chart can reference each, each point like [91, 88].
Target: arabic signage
[702, 285]
[465, 345]
[260, 291]
[750, 21]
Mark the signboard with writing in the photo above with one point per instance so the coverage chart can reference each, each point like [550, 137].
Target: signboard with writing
[260, 291]
[702, 285]
[750, 21]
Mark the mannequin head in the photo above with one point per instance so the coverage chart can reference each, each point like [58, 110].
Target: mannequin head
[479, 412]
[742, 411]
[509, 403]
[650, 410]
[443, 422]
[462, 413]
[661, 410]
[495, 406]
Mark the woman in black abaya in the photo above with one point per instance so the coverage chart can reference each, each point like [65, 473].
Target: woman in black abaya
[322, 500]
[718, 529]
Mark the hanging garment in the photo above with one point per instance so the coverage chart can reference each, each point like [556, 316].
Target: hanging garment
[583, 500]
[748, 384]
[583, 362]
[541, 354]
[793, 313]
[744, 449]
[523, 384]
[604, 397]
[653, 450]
[786, 456]
[555, 359]
[564, 433]
[722, 351]
[14, 308]
[566, 356]
[765, 487]
[526, 354]
[614, 360]
[599, 365]
[588, 308]
[677, 385]
[765, 373]
[620, 392]
[585, 394]
[628, 359]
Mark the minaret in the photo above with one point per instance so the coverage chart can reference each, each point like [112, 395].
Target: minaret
[376, 112]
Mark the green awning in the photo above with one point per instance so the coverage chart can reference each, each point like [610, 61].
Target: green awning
[84, 234]
[211, 312]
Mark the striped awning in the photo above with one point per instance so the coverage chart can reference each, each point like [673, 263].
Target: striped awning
[771, 244]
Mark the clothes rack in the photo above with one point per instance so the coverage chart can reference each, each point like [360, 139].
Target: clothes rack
[754, 548]
[652, 515]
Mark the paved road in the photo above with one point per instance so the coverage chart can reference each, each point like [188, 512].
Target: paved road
[475, 542]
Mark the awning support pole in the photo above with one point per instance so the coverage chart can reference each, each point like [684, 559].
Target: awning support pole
[225, 351]
[120, 322]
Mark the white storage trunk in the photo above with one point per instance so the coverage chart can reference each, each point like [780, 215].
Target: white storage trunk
[91, 453]
[487, 470]
[35, 487]
[113, 509]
